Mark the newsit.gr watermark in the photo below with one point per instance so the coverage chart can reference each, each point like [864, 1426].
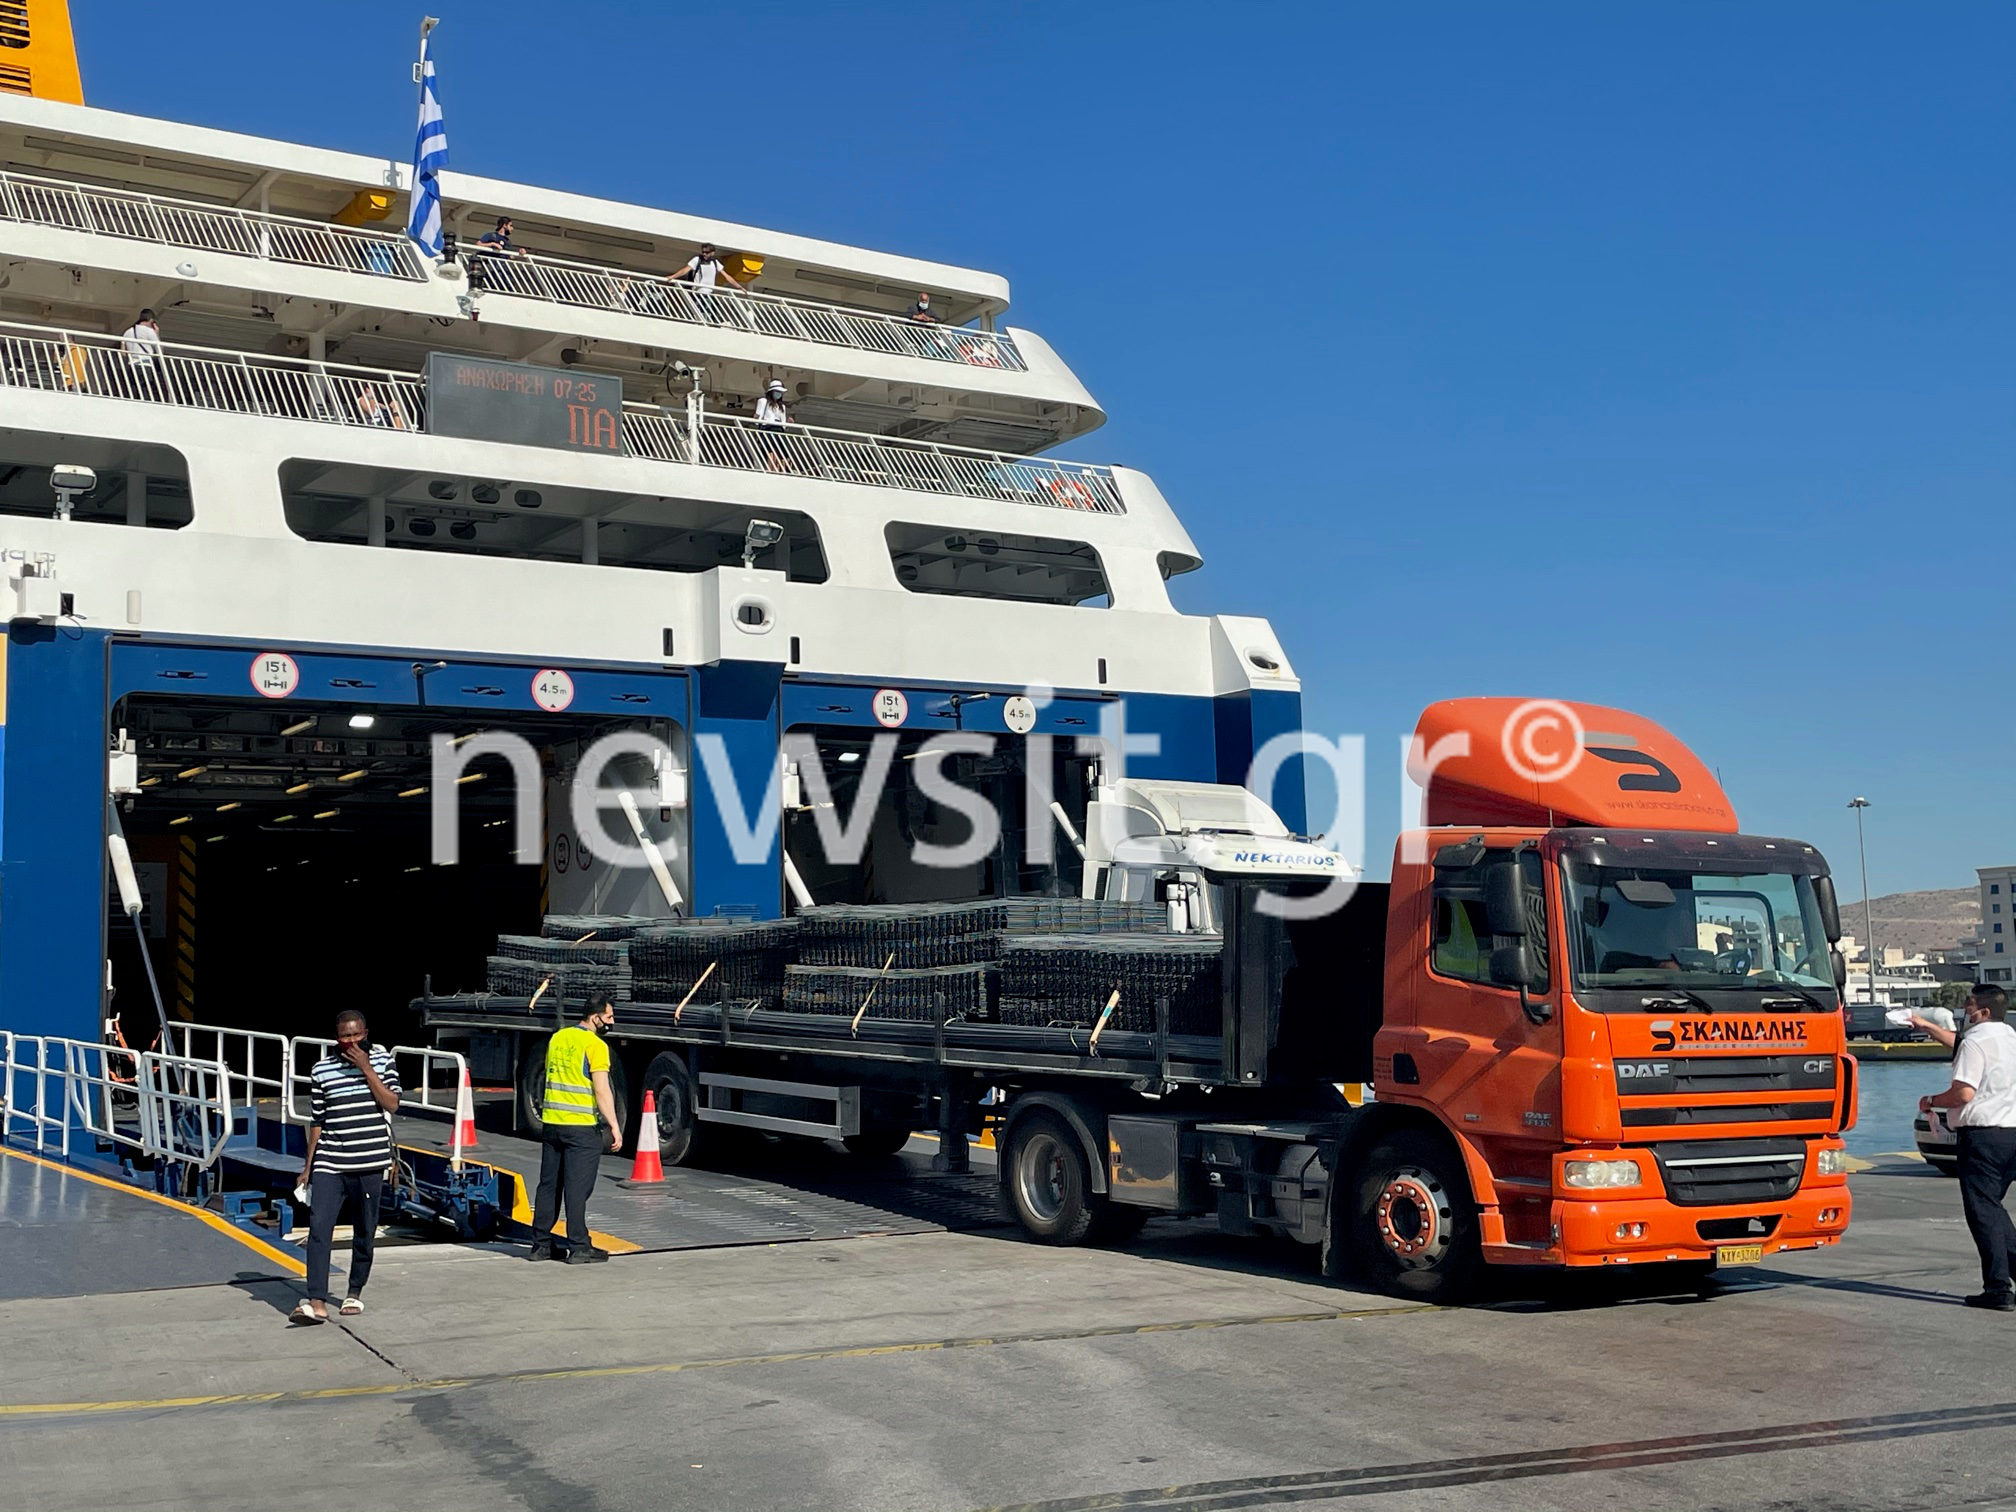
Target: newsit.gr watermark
[631, 795]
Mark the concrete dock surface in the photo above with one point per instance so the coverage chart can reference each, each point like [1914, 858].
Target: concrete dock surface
[950, 1371]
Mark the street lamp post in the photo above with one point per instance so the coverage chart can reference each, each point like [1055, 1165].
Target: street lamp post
[1868, 925]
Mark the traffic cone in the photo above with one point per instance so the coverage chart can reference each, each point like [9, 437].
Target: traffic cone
[647, 1166]
[465, 1113]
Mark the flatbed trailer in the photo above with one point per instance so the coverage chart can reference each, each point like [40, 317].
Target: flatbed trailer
[1566, 1057]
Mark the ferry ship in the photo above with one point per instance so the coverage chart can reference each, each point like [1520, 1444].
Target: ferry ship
[353, 496]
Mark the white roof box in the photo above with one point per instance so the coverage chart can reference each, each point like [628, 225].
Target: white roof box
[1194, 807]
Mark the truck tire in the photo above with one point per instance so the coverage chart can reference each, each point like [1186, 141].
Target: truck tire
[680, 1134]
[876, 1144]
[1048, 1182]
[532, 1084]
[1415, 1224]
[532, 1087]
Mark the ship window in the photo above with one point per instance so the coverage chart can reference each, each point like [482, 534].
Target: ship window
[137, 485]
[996, 565]
[335, 501]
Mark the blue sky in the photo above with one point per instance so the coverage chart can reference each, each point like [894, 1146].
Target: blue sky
[1654, 355]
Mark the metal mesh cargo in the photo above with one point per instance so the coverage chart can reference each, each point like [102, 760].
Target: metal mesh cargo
[921, 935]
[512, 976]
[927, 995]
[1066, 980]
[601, 926]
[558, 952]
[748, 957]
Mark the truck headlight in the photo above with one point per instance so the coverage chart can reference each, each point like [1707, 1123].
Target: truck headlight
[1602, 1173]
[1833, 1162]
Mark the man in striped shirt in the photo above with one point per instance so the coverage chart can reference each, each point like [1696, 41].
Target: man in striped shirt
[353, 1092]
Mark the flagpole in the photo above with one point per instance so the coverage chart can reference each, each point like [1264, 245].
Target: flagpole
[427, 24]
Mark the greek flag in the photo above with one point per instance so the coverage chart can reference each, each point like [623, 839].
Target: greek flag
[430, 156]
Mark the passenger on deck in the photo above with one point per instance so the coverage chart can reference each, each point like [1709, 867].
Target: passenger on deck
[141, 343]
[702, 272]
[571, 1146]
[372, 409]
[773, 415]
[486, 270]
[353, 1092]
[928, 343]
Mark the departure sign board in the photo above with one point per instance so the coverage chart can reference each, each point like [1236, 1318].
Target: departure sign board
[486, 400]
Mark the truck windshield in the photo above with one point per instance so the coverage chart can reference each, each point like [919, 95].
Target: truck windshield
[1689, 921]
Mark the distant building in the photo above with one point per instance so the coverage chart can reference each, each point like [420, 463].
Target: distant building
[1998, 923]
[1902, 981]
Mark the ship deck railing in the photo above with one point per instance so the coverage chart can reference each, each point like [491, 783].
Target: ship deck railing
[196, 226]
[191, 224]
[95, 365]
[557, 280]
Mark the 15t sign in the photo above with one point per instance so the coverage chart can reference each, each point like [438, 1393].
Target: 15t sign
[515, 401]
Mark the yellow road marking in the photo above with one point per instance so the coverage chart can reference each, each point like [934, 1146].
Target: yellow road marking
[786, 1357]
[278, 1257]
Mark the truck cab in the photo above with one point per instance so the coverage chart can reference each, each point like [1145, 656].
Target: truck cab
[1623, 1013]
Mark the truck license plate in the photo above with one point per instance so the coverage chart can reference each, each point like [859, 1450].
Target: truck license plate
[1738, 1254]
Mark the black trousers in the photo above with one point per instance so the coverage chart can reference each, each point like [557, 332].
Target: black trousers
[569, 1158]
[1987, 1167]
[328, 1193]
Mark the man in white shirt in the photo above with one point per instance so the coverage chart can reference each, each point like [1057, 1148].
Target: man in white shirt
[141, 342]
[1982, 1111]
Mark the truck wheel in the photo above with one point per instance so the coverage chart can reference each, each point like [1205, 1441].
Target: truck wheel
[1049, 1185]
[678, 1130]
[876, 1144]
[532, 1087]
[532, 1084]
[1416, 1225]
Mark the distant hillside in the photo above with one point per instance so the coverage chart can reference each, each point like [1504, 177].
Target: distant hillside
[1916, 921]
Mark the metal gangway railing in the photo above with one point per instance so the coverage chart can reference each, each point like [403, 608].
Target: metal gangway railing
[430, 1081]
[133, 216]
[842, 456]
[54, 1087]
[559, 280]
[244, 383]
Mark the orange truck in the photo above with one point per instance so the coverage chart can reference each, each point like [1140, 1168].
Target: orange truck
[1600, 1025]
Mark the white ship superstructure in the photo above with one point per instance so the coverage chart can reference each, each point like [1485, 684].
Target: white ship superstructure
[276, 488]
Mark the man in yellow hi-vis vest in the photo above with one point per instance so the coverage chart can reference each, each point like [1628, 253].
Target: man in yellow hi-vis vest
[577, 1084]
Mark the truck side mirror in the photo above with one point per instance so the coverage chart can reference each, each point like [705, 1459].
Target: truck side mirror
[1512, 966]
[1830, 907]
[1841, 971]
[1505, 899]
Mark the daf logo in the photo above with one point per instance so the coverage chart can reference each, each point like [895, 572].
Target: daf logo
[1628, 1069]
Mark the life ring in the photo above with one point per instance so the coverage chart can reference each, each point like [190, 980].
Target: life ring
[1072, 493]
[978, 355]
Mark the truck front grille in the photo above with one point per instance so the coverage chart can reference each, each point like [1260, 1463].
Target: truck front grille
[1667, 1075]
[1723, 1113]
[1725, 1172]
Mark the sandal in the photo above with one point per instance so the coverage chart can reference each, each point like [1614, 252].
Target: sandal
[351, 1307]
[305, 1313]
